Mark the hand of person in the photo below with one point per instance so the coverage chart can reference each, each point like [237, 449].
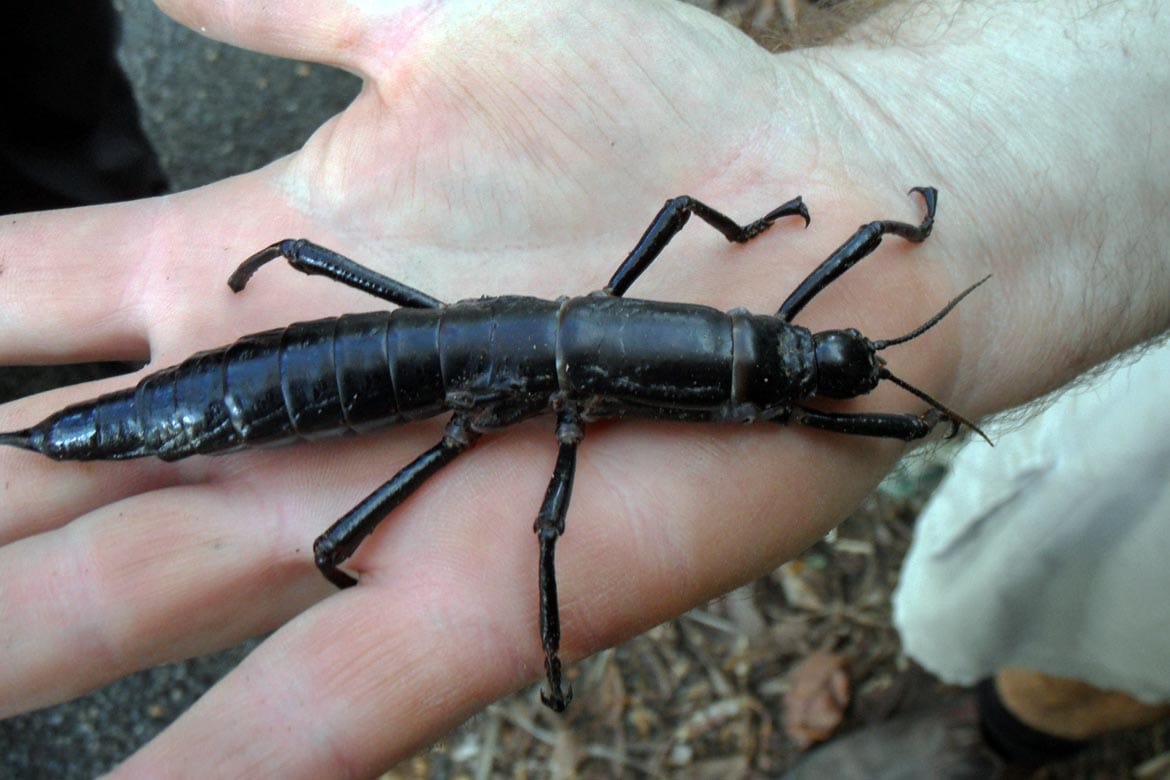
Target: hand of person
[493, 150]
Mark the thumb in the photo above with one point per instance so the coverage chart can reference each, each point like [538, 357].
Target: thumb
[352, 35]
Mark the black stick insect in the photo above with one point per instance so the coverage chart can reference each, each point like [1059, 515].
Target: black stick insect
[492, 362]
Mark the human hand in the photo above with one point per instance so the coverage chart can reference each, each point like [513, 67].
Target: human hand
[489, 153]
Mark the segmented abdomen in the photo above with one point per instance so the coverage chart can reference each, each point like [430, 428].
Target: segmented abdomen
[324, 377]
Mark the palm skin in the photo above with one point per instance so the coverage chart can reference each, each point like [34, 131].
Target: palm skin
[492, 150]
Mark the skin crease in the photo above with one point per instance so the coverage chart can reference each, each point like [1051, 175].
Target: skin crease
[503, 150]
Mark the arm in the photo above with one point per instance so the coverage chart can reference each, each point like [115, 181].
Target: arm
[520, 144]
[1049, 130]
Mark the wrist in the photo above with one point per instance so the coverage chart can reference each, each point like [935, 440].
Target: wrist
[1041, 127]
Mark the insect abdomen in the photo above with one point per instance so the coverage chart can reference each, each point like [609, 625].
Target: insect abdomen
[309, 379]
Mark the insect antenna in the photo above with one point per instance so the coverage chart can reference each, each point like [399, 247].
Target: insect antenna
[882, 344]
[955, 418]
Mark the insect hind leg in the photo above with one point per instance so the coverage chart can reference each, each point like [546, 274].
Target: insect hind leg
[549, 525]
[310, 258]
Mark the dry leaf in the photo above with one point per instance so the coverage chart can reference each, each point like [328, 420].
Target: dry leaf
[816, 700]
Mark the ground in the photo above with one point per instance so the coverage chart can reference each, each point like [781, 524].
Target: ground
[702, 696]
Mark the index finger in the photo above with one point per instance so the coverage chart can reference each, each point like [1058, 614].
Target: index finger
[63, 293]
[317, 30]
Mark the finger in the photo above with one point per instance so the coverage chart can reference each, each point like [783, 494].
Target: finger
[436, 630]
[40, 494]
[142, 280]
[165, 575]
[315, 30]
[325, 698]
[153, 579]
[65, 274]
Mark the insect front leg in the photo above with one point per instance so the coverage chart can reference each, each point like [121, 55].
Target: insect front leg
[670, 221]
[907, 427]
[549, 525]
[343, 537]
[859, 245]
[310, 258]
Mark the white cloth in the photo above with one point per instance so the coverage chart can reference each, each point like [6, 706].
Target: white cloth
[1051, 551]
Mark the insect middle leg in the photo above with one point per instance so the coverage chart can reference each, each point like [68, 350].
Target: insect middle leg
[670, 221]
[859, 245]
[343, 537]
[310, 258]
[549, 525]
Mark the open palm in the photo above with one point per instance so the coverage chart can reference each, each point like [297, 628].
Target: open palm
[492, 150]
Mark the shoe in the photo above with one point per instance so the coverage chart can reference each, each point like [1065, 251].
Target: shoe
[942, 743]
